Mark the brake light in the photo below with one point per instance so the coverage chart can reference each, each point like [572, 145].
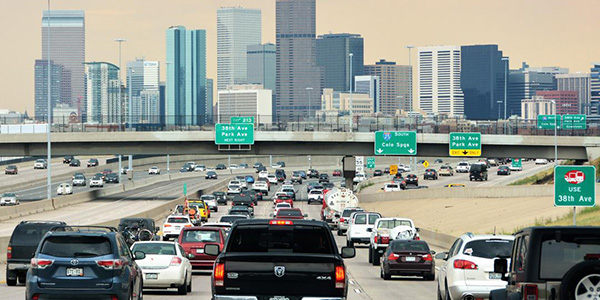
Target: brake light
[280, 222]
[114, 297]
[393, 256]
[464, 264]
[427, 257]
[530, 292]
[219, 274]
[175, 261]
[342, 220]
[417, 238]
[188, 225]
[167, 225]
[340, 277]
[375, 239]
[41, 263]
[37, 297]
[9, 252]
[111, 264]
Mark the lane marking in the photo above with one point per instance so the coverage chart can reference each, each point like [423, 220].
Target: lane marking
[357, 291]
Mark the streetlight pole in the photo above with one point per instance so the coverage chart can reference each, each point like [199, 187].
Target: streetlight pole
[351, 55]
[505, 59]
[48, 115]
[556, 152]
[130, 166]
[120, 41]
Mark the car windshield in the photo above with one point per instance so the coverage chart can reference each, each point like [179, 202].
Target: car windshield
[155, 248]
[295, 239]
[8, 195]
[489, 248]
[79, 177]
[177, 220]
[211, 173]
[231, 219]
[558, 257]
[76, 246]
[389, 224]
[200, 236]
[398, 246]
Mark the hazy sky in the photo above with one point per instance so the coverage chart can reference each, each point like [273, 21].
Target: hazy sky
[542, 32]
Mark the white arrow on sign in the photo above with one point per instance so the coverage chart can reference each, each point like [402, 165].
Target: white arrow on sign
[411, 151]
[379, 150]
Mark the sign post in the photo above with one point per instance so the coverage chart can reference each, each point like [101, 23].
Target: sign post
[574, 186]
[234, 134]
[395, 143]
[465, 144]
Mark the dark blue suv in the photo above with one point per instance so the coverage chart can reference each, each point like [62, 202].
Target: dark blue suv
[84, 262]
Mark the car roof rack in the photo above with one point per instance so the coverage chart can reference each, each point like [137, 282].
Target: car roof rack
[83, 228]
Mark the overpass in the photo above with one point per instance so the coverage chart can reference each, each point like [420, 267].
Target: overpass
[285, 143]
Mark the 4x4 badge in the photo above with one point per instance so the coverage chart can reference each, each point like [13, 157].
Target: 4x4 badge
[279, 271]
[74, 261]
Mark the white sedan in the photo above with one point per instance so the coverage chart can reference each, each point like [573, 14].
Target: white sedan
[9, 199]
[391, 187]
[154, 170]
[513, 168]
[97, 182]
[64, 189]
[164, 266]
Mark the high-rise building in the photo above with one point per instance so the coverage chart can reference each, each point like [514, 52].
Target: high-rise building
[395, 86]
[537, 105]
[262, 66]
[297, 72]
[237, 27]
[186, 77]
[438, 76]
[526, 81]
[245, 100]
[332, 100]
[145, 96]
[102, 87]
[482, 80]
[210, 96]
[567, 102]
[370, 85]
[579, 82]
[67, 48]
[60, 87]
[162, 96]
[333, 57]
[594, 108]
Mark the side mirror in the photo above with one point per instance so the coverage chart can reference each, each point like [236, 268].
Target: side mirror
[348, 252]
[442, 255]
[418, 229]
[139, 255]
[212, 249]
[432, 252]
[369, 229]
[337, 215]
[501, 266]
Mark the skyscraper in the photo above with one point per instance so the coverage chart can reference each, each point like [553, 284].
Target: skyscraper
[262, 66]
[67, 48]
[438, 75]
[594, 108]
[526, 81]
[395, 86]
[237, 27]
[579, 82]
[297, 71]
[370, 85]
[566, 101]
[145, 99]
[186, 77]
[210, 98]
[333, 57]
[60, 87]
[482, 78]
[102, 87]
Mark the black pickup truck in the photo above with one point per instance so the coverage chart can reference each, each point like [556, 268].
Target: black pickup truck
[279, 260]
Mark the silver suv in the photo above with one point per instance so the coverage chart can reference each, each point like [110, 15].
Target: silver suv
[467, 270]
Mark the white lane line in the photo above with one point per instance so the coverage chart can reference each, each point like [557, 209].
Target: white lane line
[358, 291]
[351, 282]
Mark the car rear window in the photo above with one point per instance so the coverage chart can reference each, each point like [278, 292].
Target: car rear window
[200, 236]
[281, 238]
[177, 220]
[76, 246]
[316, 192]
[389, 224]
[289, 213]
[558, 257]
[30, 233]
[477, 168]
[155, 248]
[231, 219]
[347, 213]
[489, 248]
[398, 246]
[360, 219]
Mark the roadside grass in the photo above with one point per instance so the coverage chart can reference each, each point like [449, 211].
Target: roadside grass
[589, 216]
[543, 177]
[364, 186]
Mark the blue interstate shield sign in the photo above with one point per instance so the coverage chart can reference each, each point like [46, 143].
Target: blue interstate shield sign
[387, 136]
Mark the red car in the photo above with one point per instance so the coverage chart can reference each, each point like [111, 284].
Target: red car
[290, 214]
[337, 173]
[284, 199]
[193, 240]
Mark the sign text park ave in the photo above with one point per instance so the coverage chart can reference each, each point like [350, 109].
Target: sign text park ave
[234, 134]
[465, 144]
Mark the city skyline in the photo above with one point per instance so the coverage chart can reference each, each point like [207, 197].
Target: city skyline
[144, 29]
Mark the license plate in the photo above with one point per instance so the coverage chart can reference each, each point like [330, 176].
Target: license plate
[410, 258]
[495, 275]
[177, 227]
[151, 276]
[74, 271]
[199, 251]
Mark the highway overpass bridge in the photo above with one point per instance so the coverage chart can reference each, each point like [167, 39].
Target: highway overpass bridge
[285, 143]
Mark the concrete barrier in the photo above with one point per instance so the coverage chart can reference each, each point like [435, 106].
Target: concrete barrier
[441, 240]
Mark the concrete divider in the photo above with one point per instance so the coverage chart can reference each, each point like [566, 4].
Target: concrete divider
[441, 240]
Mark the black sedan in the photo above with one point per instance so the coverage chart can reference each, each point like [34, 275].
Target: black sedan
[377, 173]
[211, 175]
[386, 170]
[323, 178]
[221, 197]
[75, 163]
[503, 170]
[112, 178]
[408, 258]
[430, 174]
[412, 179]
[220, 167]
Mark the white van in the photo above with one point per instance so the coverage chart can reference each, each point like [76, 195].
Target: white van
[360, 226]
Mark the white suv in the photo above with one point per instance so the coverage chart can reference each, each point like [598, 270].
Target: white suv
[360, 226]
[467, 271]
[463, 167]
[173, 226]
[380, 236]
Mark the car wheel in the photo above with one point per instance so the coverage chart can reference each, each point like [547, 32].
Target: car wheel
[447, 293]
[385, 275]
[189, 286]
[11, 282]
[575, 283]
[182, 290]
[339, 232]
[429, 277]
[376, 257]
[370, 254]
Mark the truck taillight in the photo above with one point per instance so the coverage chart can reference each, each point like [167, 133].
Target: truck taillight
[9, 252]
[530, 292]
[340, 277]
[385, 239]
[219, 274]
[465, 264]
[342, 220]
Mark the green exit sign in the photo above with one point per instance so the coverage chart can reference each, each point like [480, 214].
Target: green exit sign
[234, 134]
[548, 121]
[574, 122]
[465, 144]
[242, 120]
[574, 186]
[371, 162]
[395, 143]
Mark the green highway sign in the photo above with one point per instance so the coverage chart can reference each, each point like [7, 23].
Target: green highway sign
[517, 162]
[242, 120]
[185, 189]
[371, 162]
[465, 144]
[574, 186]
[574, 122]
[234, 134]
[547, 121]
[395, 143]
